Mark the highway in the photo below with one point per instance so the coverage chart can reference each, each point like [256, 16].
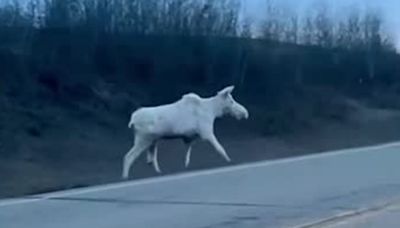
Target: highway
[320, 190]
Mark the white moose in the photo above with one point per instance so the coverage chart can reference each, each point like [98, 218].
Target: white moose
[189, 118]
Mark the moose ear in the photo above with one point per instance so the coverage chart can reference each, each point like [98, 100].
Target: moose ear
[227, 90]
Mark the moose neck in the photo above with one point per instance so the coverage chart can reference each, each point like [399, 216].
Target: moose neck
[215, 104]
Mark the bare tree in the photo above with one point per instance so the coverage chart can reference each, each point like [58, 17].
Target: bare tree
[308, 30]
[372, 39]
[246, 28]
[291, 34]
[273, 25]
[323, 26]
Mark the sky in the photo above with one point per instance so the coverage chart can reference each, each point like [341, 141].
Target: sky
[390, 9]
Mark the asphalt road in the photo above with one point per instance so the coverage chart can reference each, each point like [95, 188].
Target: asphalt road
[310, 191]
[386, 217]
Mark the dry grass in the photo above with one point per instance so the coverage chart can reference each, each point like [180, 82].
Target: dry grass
[64, 149]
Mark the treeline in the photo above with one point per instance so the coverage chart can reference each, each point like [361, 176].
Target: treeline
[163, 48]
[319, 26]
[139, 17]
[70, 41]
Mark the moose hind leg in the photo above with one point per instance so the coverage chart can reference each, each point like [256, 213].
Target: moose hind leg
[149, 157]
[189, 143]
[141, 144]
[154, 152]
[188, 154]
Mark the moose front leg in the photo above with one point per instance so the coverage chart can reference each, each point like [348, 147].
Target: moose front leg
[210, 137]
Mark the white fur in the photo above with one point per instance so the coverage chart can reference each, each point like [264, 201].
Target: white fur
[189, 118]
